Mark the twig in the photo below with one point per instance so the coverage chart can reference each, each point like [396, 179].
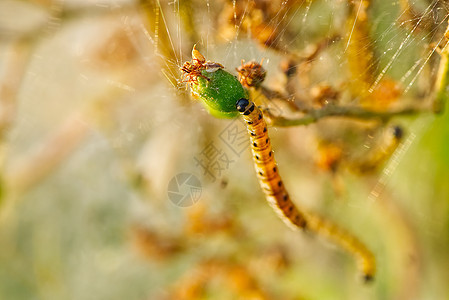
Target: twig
[314, 115]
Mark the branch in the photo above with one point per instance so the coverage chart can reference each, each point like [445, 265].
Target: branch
[314, 115]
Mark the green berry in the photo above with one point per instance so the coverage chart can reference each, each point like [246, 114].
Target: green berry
[220, 93]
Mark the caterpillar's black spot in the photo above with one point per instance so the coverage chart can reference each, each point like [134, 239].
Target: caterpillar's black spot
[300, 221]
[260, 173]
[270, 154]
[265, 129]
[242, 104]
[257, 157]
[260, 116]
[255, 144]
[253, 134]
[279, 183]
[274, 169]
[249, 122]
[285, 197]
[266, 141]
[398, 132]
[290, 208]
[368, 278]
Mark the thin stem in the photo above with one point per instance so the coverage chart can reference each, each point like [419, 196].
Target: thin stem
[352, 112]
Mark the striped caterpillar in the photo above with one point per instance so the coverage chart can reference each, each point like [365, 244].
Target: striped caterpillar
[278, 198]
[224, 96]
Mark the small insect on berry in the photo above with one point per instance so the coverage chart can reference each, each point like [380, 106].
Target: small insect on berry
[197, 56]
[217, 89]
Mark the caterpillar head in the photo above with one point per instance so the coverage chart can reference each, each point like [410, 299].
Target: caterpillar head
[244, 106]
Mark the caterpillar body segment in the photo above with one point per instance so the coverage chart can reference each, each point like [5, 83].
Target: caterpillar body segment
[266, 167]
[366, 261]
[278, 198]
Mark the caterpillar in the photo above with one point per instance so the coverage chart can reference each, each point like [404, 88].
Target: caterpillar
[223, 96]
[266, 167]
[278, 198]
